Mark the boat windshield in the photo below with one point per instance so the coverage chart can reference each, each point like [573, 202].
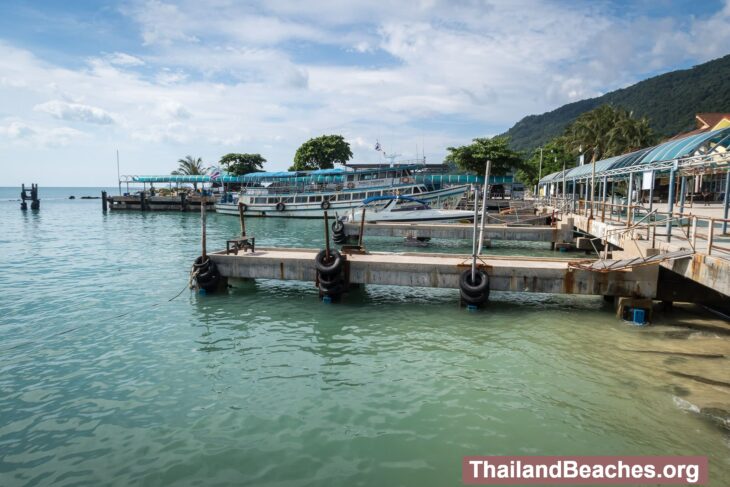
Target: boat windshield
[406, 205]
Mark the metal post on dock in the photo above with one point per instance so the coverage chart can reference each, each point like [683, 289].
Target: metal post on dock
[240, 218]
[103, 201]
[474, 237]
[603, 198]
[710, 236]
[484, 208]
[726, 202]
[593, 184]
[651, 193]
[573, 198]
[670, 200]
[362, 228]
[202, 223]
[629, 199]
[682, 186]
[326, 237]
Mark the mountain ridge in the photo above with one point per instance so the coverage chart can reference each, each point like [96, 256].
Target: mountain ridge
[670, 102]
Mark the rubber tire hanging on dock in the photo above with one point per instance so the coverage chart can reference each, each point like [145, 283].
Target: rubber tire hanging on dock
[474, 292]
[325, 205]
[330, 273]
[338, 232]
[331, 268]
[280, 206]
[205, 274]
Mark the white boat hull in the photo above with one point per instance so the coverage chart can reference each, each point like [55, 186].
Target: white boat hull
[315, 210]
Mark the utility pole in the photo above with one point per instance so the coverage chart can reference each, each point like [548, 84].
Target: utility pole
[539, 174]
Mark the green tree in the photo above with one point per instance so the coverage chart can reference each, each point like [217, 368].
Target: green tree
[190, 166]
[554, 154]
[240, 164]
[321, 153]
[473, 157]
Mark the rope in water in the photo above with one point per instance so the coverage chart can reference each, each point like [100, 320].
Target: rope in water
[189, 285]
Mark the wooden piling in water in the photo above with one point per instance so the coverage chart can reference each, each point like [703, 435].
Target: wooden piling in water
[103, 201]
[240, 218]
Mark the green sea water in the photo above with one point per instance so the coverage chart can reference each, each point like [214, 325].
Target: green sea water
[105, 381]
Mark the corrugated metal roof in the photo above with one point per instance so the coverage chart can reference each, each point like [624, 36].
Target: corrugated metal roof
[667, 151]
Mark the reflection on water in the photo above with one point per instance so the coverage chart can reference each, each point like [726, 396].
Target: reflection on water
[267, 385]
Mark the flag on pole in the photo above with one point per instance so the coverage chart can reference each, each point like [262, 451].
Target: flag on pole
[377, 146]
[215, 173]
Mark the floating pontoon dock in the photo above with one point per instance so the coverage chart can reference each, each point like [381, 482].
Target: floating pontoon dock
[516, 274]
[530, 233]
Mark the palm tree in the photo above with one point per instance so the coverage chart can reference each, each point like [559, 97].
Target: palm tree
[591, 131]
[609, 131]
[190, 166]
[630, 134]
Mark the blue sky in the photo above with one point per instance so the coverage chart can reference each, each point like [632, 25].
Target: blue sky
[159, 80]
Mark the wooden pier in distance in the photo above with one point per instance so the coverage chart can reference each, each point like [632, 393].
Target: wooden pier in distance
[144, 202]
[459, 231]
[515, 274]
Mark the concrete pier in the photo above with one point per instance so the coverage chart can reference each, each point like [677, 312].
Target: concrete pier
[712, 271]
[515, 274]
[558, 234]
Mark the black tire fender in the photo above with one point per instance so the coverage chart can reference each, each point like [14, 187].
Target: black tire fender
[327, 282]
[200, 263]
[336, 289]
[280, 206]
[328, 268]
[470, 288]
[480, 298]
[325, 205]
[338, 226]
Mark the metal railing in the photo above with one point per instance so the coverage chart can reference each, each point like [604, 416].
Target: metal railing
[703, 234]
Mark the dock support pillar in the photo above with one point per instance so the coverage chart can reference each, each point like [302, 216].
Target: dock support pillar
[183, 202]
[103, 201]
[142, 203]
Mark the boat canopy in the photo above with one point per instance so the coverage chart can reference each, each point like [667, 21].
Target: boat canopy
[332, 175]
[713, 142]
[321, 176]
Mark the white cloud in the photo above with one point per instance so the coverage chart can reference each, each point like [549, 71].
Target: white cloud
[123, 59]
[213, 77]
[75, 112]
[23, 134]
[17, 130]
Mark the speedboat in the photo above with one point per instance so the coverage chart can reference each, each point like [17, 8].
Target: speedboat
[403, 209]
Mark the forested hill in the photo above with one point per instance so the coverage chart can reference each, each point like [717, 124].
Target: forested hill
[670, 101]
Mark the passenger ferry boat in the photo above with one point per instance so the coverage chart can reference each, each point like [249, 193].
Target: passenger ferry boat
[308, 194]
